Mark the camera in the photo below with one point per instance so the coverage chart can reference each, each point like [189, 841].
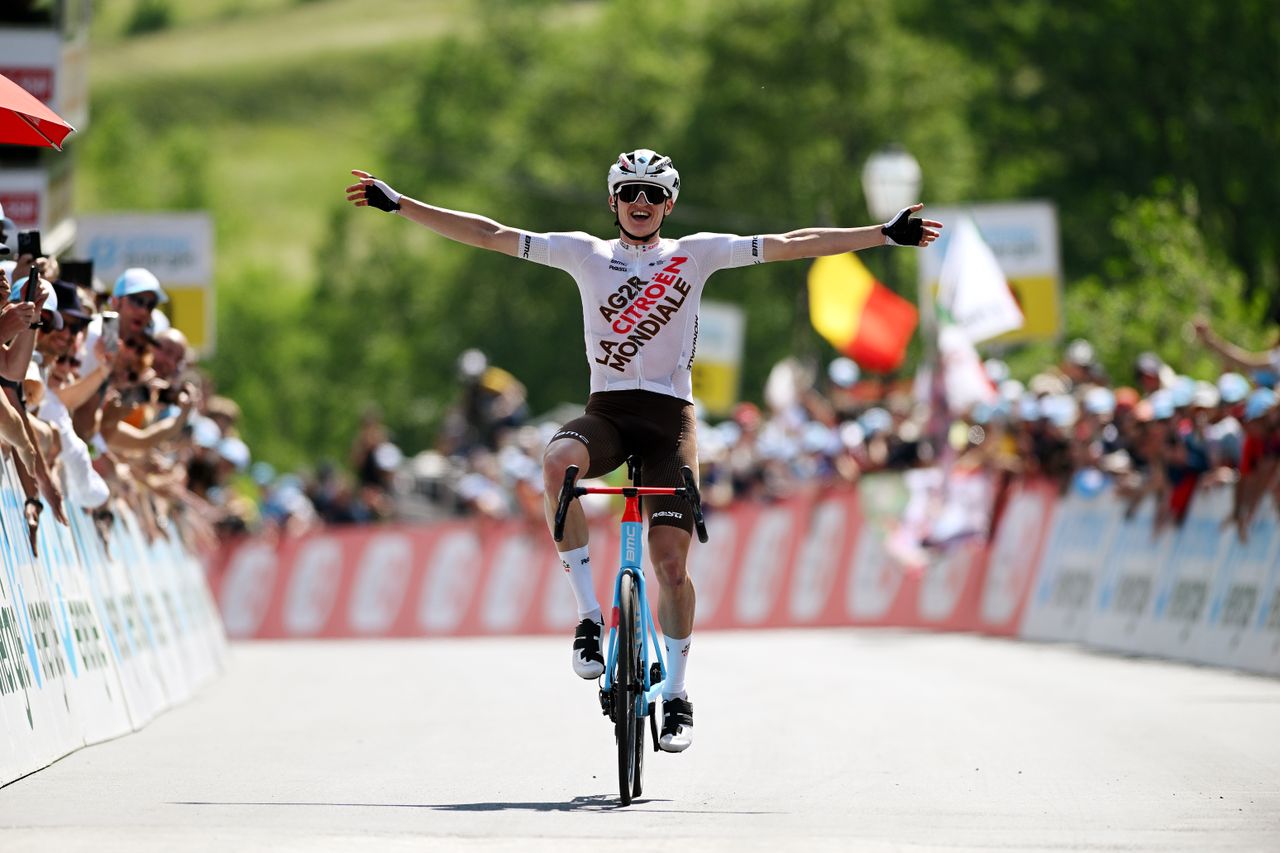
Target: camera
[135, 395]
[29, 243]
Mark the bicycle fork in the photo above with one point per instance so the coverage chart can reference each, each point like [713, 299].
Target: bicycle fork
[653, 670]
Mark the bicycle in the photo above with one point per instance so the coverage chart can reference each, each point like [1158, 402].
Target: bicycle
[632, 680]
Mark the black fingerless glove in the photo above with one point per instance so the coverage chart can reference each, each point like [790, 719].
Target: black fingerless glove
[904, 229]
[381, 196]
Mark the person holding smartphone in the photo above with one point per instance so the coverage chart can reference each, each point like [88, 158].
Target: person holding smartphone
[640, 293]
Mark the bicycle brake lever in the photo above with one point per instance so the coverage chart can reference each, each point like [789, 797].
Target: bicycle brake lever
[566, 494]
[695, 501]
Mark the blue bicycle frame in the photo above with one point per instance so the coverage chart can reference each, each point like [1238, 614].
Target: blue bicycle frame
[631, 550]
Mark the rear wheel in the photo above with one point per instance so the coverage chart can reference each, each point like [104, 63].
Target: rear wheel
[626, 686]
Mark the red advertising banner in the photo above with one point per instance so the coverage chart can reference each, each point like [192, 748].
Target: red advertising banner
[816, 560]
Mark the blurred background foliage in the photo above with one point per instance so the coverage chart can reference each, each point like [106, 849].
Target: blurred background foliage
[1152, 127]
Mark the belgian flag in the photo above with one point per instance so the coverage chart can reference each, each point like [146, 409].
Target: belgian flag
[858, 315]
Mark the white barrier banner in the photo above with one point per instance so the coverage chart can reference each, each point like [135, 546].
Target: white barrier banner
[94, 640]
[1198, 592]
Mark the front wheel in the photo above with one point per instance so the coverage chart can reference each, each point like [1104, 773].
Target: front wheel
[627, 685]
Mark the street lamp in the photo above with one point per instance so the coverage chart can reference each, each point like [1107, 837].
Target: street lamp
[891, 180]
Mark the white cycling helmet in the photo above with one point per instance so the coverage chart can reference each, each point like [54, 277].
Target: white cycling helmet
[644, 166]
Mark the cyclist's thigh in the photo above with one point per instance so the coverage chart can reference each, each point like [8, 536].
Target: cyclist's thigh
[661, 467]
[601, 439]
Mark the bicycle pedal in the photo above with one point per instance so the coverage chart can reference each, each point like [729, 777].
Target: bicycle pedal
[606, 703]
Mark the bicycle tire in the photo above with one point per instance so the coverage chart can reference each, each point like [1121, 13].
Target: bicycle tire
[625, 687]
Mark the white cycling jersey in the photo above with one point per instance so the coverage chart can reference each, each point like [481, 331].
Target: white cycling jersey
[640, 303]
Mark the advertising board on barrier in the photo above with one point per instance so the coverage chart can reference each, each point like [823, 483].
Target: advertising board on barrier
[93, 643]
[1129, 571]
[807, 561]
[1241, 624]
[1069, 573]
[1178, 610]
[1065, 569]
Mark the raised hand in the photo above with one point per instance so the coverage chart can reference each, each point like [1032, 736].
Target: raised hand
[371, 192]
[907, 230]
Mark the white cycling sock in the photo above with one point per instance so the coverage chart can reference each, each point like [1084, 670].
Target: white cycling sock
[577, 565]
[677, 660]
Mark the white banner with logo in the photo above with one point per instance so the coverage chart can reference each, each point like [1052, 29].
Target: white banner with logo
[95, 638]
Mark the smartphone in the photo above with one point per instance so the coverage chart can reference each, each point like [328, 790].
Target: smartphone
[29, 244]
[31, 290]
[77, 272]
[111, 331]
[134, 395]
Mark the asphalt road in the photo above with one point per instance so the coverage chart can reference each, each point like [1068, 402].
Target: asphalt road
[806, 740]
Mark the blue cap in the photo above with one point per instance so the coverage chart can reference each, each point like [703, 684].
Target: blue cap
[843, 372]
[1099, 401]
[139, 280]
[1259, 403]
[51, 303]
[875, 420]
[1161, 404]
[1183, 391]
[1233, 387]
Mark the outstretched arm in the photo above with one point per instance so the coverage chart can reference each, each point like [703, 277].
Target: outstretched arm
[1235, 356]
[468, 228]
[903, 230]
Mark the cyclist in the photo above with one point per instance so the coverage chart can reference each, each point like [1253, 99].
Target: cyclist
[640, 294]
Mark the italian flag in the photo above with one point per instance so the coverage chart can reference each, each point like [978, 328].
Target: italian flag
[858, 315]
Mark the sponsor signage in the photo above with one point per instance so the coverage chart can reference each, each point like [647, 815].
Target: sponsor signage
[1058, 568]
[93, 644]
[177, 247]
[1024, 238]
[717, 370]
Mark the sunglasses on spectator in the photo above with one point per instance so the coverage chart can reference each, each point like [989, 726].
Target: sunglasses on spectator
[140, 347]
[653, 194]
[143, 302]
[74, 324]
[68, 359]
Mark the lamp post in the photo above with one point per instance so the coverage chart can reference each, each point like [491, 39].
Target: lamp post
[891, 180]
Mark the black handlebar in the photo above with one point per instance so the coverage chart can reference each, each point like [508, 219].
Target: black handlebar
[695, 501]
[567, 493]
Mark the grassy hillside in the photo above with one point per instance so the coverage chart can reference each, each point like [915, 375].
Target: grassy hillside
[268, 104]
[256, 110]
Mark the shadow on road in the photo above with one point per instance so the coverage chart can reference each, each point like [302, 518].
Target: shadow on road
[589, 803]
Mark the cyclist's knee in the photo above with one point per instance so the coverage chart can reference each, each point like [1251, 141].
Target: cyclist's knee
[558, 456]
[671, 571]
[669, 551]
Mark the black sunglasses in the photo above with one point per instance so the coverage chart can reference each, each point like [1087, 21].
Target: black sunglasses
[68, 359]
[137, 345]
[143, 302]
[653, 194]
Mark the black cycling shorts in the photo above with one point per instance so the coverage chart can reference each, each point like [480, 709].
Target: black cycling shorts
[659, 429]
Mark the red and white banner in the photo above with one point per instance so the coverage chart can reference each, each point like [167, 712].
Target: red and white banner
[818, 560]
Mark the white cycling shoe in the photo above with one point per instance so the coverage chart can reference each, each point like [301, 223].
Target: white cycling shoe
[588, 662]
[677, 725]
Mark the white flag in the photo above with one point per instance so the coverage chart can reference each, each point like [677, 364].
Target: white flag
[972, 287]
[965, 379]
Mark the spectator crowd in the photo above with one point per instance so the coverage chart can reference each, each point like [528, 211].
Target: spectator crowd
[1157, 436]
[103, 404]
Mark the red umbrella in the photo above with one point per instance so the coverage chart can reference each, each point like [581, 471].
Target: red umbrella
[26, 121]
